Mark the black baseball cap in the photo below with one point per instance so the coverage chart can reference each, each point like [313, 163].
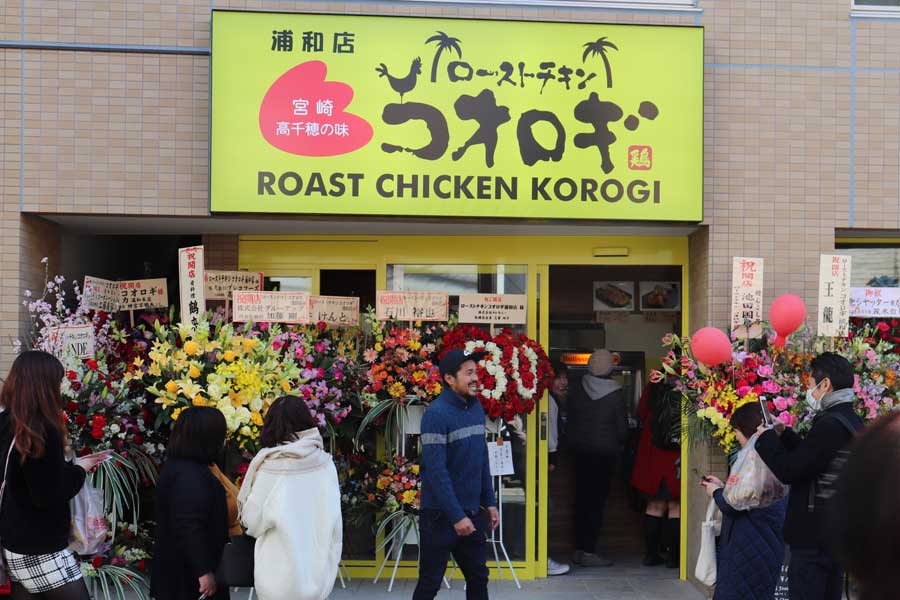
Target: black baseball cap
[452, 360]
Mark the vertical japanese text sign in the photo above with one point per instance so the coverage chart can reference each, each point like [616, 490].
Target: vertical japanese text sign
[747, 296]
[191, 282]
[834, 295]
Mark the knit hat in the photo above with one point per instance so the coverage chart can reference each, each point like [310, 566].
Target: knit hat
[601, 363]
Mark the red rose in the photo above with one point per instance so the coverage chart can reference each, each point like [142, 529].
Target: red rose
[71, 406]
[72, 375]
[882, 326]
[895, 323]
[321, 326]
[138, 439]
[141, 565]
[80, 420]
[97, 434]
[91, 364]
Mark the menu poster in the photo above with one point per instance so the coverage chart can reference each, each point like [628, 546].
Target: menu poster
[340, 311]
[505, 309]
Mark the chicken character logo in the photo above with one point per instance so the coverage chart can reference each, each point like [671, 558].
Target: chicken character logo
[303, 114]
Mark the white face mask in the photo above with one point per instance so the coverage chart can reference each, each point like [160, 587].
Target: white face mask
[814, 403]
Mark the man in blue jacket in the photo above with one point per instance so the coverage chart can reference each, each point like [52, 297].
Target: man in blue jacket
[456, 482]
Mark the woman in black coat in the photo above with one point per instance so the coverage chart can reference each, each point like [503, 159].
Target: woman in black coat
[191, 511]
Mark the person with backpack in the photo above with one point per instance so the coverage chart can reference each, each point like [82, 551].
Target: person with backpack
[808, 464]
[655, 472]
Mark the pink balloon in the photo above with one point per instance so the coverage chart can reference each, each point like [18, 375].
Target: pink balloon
[711, 346]
[787, 314]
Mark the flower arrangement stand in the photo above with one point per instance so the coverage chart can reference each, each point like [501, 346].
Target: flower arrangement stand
[342, 570]
[405, 534]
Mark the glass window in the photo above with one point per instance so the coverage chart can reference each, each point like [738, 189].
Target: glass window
[289, 284]
[874, 267]
[894, 3]
[875, 8]
[483, 279]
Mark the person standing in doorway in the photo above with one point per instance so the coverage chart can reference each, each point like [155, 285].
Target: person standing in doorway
[655, 473]
[456, 482]
[804, 464]
[597, 430]
[559, 387]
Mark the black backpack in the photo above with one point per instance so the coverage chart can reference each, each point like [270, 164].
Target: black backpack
[665, 420]
[825, 485]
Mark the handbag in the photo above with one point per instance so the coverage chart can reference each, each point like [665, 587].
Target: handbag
[236, 566]
[4, 573]
[705, 571]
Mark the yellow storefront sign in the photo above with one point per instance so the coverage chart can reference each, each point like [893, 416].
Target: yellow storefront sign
[359, 115]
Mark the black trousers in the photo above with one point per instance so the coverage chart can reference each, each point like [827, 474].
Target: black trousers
[814, 575]
[593, 478]
[437, 541]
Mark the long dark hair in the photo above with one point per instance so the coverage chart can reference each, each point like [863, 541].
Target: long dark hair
[33, 398]
[286, 417]
[198, 435]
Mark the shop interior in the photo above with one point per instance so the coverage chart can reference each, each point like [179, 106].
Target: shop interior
[626, 310]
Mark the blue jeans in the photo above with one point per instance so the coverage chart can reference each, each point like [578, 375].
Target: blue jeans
[437, 541]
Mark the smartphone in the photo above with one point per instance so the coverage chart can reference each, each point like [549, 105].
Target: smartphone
[768, 421]
[202, 597]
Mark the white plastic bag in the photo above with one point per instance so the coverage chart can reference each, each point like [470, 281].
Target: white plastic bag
[88, 532]
[705, 571]
[751, 484]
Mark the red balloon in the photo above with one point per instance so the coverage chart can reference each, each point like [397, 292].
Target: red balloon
[711, 346]
[787, 314]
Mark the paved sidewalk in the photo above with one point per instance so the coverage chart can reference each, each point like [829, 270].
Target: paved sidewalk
[624, 581]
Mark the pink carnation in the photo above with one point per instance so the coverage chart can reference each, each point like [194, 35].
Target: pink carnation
[781, 403]
[786, 418]
[770, 387]
[765, 371]
[792, 402]
[744, 390]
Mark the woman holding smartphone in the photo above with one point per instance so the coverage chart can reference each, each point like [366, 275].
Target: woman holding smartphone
[38, 482]
[751, 546]
[191, 510]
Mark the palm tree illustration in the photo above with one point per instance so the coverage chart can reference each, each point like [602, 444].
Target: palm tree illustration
[444, 42]
[600, 47]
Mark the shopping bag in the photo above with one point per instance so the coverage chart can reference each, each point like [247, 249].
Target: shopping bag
[237, 564]
[781, 584]
[751, 484]
[87, 534]
[705, 571]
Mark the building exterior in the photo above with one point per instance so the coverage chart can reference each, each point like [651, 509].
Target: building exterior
[106, 130]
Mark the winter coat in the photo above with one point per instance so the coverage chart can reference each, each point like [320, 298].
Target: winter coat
[653, 466]
[191, 530]
[751, 551]
[798, 462]
[290, 502]
[596, 423]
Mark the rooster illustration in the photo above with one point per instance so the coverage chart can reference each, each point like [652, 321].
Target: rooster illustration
[402, 85]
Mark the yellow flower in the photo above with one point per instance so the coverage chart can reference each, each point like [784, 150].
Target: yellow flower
[378, 347]
[409, 496]
[415, 469]
[155, 370]
[191, 348]
[213, 346]
[138, 362]
[177, 412]
[249, 344]
[286, 386]
[397, 390]
[172, 387]
[229, 355]
[165, 402]
[413, 345]
[193, 372]
[199, 400]
[256, 418]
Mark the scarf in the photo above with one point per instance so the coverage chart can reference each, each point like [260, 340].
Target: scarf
[836, 397]
[303, 454]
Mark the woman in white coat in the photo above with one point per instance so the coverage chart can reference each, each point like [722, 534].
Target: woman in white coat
[290, 502]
